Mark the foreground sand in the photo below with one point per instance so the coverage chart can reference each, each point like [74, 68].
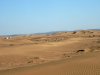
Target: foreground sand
[66, 53]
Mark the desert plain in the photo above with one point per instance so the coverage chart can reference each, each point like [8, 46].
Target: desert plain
[61, 53]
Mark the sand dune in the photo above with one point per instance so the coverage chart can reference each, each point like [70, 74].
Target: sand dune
[63, 53]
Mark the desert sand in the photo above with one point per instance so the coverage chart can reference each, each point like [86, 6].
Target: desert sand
[61, 53]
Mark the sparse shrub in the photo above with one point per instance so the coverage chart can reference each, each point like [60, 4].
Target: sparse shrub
[31, 61]
[74, 32]
[80, 51]
[36, 58]
[11, 44]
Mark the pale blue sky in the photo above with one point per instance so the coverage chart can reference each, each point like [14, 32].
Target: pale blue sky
[34, 16]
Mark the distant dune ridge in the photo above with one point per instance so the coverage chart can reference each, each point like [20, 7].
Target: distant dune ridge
[59, 53]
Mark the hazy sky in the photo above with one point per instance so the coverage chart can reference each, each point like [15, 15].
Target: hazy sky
[34, 16]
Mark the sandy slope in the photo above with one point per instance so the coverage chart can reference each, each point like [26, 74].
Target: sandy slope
[86, 64]
[67, 53]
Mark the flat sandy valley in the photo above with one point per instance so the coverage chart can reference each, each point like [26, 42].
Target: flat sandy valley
[62, 53]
